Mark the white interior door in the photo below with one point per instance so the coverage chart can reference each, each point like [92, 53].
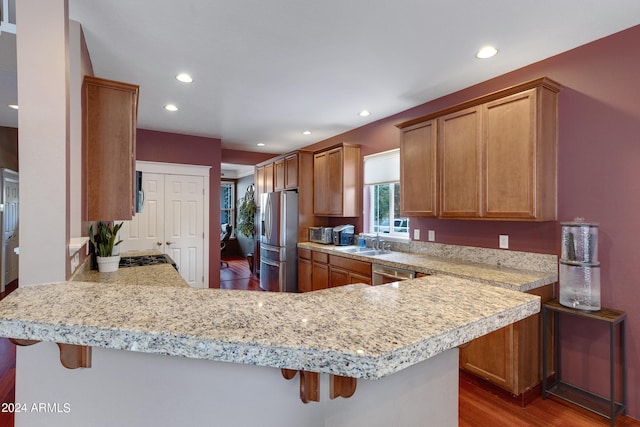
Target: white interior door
[146, 230]
[10, 235]
[184, 226]
[172, 221]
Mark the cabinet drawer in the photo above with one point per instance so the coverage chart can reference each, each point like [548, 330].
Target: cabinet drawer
[304, 253]
[353, 265]
[320, 257]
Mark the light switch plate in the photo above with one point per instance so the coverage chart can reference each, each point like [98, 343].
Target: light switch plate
[432, 235]
[504, 241]
[416, 234]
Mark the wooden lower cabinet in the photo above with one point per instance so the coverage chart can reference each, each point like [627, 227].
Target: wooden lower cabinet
[510, 357]
[317, 270]
[347, 271]
[305, 269]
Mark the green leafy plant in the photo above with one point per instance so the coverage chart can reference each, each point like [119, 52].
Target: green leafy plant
[105, 239]
[247, 212]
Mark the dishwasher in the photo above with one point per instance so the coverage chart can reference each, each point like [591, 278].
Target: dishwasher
[381, 274]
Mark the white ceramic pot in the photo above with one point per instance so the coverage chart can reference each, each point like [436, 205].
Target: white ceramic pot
[108, 264]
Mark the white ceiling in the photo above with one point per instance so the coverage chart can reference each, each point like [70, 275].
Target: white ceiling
[265, 71]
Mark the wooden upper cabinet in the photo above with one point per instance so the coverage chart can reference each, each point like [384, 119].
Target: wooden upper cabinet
[268, 178]
[320, 184]
[519, 164]
[418, 170]
[291, 172]
[336, 181]
[109, 119]
[496, 157]
[279, 175]
[460, 172]
[259, 180]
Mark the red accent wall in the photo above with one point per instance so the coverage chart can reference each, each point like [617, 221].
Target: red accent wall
[167, 147]
[598, 179]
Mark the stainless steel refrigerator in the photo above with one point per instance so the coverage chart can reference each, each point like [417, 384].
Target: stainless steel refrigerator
[278, 241]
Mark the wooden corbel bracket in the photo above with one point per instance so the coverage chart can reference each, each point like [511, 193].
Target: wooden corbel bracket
[310, 385]
[71, 356]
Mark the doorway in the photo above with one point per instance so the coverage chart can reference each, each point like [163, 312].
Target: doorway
[10, 236]
[174, 218]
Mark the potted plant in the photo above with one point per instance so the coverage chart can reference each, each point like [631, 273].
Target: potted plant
[104, 241]
[246, 218]
[246, 213]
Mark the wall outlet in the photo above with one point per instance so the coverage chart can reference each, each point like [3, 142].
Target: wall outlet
[432, 235]
[504, 241]
[416, 234]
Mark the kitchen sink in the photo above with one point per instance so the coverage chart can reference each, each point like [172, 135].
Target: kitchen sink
[361, 251]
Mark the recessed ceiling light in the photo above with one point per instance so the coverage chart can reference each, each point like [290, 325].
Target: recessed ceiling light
[486, 52]
[306, 132]
[184, 78]
[364, 113]
[170, 107]
[260, 144]
[14, 106]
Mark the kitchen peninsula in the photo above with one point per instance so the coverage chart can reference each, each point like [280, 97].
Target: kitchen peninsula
[399, 340]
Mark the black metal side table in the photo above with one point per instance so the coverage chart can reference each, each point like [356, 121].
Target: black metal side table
[608, 408]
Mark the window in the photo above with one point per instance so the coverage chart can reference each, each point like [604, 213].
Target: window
[382, 195]
[227, 203]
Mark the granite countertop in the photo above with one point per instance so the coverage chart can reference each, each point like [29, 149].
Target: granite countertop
[148, 275]
[357, 331]
[510, 278]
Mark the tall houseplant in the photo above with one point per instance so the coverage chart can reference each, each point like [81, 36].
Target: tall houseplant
[104, 242]
[247, 212]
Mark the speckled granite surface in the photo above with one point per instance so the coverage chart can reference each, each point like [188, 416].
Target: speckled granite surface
[358, 331]
[505, 277]
[149, 275]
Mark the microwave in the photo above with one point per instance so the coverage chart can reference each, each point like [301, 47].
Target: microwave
[322, 235]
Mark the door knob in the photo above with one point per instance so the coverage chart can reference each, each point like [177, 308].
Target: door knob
[169, 243]
[159, 243]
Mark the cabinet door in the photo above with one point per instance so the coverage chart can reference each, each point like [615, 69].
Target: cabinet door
[259, 178]
[418, 170]
[268, 178]
[320, 276]
[305, 275]
[459, 137]
[359, 278]
[492, 357]
[338, 277]
[279, 175]
[291, 172]
[334, 176]
[509, 156]
[109, 137]
[320, 184]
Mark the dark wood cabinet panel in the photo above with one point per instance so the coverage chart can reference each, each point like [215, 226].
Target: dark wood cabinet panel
[109, 119]
[418, 170]
[460, 161]
[336, 181]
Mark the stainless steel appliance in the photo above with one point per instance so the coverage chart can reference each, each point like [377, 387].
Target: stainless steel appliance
[343, 235]
[142, 260]
[381, 274]
[322, 235]
[278, 241]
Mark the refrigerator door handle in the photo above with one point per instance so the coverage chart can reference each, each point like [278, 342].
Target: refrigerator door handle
[267, 219]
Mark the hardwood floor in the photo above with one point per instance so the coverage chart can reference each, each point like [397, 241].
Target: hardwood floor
[237, 275]
[478, 406]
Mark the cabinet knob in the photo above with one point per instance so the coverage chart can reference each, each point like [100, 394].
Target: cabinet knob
[169, 243]
[159, 243]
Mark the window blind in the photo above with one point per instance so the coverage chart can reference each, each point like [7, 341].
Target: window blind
[382, 168]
